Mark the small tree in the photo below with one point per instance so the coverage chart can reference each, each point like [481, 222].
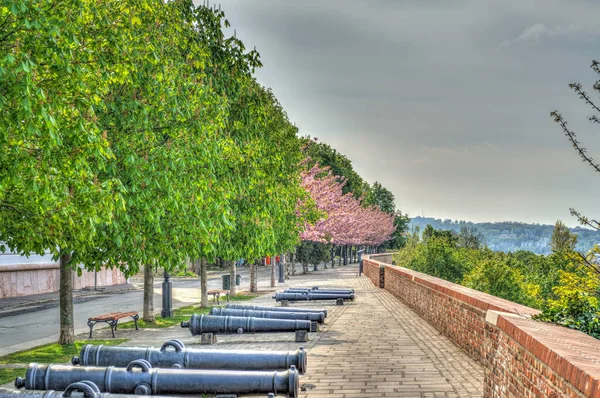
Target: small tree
[582, 151]
[562, 239]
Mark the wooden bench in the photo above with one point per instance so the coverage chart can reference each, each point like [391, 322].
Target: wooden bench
[113, 320]
[217, 293]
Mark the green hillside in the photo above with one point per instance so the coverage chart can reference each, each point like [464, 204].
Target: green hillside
[511, 236]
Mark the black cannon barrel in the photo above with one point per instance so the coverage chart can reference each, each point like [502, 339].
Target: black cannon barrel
[305, 296]
[151, 381]
[320, 291]
[279, 309]
[199, 324]
[86, 388]
[173, 354]
[307, 316]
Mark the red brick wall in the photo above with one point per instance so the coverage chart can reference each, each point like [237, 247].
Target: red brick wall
[371, 270]
[522, 357]
[526, 358]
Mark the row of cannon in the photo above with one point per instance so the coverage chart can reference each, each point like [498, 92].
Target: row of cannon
[173, 370]
[248, 319]
[169, 370]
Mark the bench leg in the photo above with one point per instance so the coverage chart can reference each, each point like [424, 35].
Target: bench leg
[227, 297]
[113, 326]
[135, 319]
[91, 325]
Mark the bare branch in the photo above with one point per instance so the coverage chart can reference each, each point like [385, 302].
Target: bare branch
[587, 263]
[573, 138]
[583, 95]
[584, 220]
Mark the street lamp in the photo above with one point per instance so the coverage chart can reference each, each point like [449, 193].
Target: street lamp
[167, 297]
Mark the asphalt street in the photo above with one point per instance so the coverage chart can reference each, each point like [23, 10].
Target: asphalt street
[40, 327]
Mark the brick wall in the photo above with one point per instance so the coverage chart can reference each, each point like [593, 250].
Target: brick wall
[522, 357]
[371, 271]
[526, 358]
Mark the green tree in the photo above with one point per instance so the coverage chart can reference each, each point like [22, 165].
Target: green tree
[339, 164]
[381, 197]
[469, 238]
[562, 238]
[57, 67]
[399, 237]
[497, 278]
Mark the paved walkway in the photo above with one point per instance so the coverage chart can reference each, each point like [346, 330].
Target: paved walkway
[378, 347]
[374, 346]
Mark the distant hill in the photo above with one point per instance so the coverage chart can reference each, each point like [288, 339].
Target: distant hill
[512, 236]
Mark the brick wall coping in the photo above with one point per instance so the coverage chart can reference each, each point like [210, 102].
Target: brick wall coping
[572, 354]
[28, 267]
[469, 296]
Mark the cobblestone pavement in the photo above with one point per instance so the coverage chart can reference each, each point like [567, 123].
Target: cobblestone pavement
[374, 346]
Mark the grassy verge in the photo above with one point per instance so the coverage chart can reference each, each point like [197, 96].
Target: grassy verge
[183, 314]
[49, 353]
[243, 297]
[53, 353]
[9, 375]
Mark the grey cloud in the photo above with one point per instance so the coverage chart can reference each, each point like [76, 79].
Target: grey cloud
[422, 96]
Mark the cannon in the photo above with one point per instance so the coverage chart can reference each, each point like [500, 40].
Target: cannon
[320, 291]
[306, 296]
[199, 324]
[173, 354]
[278, 309]
[317, 289]
[86, 388]
[307, 316]
[152, 381]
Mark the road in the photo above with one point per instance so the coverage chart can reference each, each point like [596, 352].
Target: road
[41, 327]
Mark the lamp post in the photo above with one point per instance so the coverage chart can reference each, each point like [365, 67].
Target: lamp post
[167, 297]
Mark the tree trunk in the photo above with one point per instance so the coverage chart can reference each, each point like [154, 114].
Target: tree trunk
[332, 256]
[293, 261]
[340, 259]
[253, 276]
[273, 262]
[232, 273]
[67, 330]
[304, 268]
[148, 293]
[286, 264]
[203, 283]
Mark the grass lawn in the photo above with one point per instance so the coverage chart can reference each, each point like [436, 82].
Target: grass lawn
[182, 314]
[49, 353]
[9, 375]
[243, 297]
[53, 353]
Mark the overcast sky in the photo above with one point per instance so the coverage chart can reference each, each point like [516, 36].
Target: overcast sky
[445, 102]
